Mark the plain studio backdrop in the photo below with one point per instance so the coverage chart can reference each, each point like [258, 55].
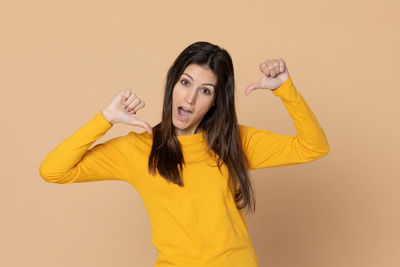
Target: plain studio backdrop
[63, 61]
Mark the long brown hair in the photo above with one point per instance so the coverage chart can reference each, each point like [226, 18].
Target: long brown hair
[219, 124]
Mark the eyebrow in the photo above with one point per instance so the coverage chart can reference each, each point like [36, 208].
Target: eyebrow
[203, 83]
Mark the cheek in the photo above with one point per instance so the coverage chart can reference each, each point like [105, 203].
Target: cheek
[176, 94]
[205, 107]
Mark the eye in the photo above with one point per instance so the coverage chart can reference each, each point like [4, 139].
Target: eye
[183, 80]
[207, 91]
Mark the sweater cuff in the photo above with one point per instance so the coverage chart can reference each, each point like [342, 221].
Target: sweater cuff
[283, 90]
[102, 120]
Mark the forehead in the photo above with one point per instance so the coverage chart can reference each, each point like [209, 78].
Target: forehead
[200, 73]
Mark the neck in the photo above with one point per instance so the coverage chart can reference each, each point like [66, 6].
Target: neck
[198, 130]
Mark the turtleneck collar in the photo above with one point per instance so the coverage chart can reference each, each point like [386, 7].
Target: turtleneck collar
[184, 139]
[191, 138]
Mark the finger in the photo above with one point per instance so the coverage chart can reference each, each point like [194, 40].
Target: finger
[271, 68]
[148, 127]
[130, 99]
[276, 65]
[264, 69]
[145, 125]
[133, 104]
[281, 65]
[252, 87]
[126, 93]
[139, 106]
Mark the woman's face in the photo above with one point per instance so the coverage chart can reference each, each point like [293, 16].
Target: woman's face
[192, 97]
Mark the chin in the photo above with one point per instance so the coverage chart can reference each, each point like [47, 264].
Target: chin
[180, 127]
[177, 125]
[180, 124]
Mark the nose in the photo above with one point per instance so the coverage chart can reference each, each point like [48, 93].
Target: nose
[191, 96]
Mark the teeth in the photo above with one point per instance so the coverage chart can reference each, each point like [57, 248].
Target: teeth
[185, 109]
[184, 113]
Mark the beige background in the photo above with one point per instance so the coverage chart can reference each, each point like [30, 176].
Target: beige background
[63, 61]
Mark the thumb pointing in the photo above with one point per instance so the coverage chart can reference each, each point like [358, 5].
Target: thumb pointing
[251, 87]
[145, 125]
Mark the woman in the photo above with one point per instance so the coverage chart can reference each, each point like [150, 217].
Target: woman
[191, 169]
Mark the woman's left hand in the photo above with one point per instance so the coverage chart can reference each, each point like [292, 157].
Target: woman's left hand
[274, 74]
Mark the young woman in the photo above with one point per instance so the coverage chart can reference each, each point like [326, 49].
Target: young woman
[191, 169]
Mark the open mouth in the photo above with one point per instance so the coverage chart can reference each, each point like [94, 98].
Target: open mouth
[184, 113]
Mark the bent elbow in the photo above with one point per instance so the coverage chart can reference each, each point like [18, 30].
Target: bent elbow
[51, 176]
[322, 148]
[45, 173]
[323, 152]
[326, 149]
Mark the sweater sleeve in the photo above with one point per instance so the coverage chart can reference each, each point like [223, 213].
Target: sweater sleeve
[72, 162]
[264, 148]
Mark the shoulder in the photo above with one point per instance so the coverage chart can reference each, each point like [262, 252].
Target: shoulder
[244, 133]
[141, 138]
[129, 144]
[244, 130]
[249, 133]
[129, 140]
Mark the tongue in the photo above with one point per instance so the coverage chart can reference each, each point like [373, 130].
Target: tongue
[184, 113]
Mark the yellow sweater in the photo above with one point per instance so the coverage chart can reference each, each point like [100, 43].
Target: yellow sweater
[198, 224]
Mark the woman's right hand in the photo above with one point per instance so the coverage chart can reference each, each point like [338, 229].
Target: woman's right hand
[123, 109]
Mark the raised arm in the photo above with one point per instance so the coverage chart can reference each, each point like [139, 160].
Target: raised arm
[265, 148]
[71, 161]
